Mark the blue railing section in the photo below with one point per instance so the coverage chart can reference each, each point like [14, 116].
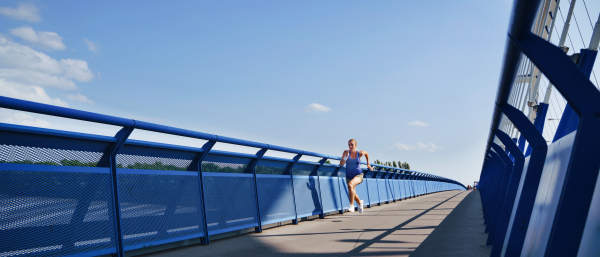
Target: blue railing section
[75, 194]
[546, 203]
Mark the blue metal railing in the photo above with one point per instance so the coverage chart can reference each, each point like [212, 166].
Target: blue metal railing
[546, 203]
[66, 193]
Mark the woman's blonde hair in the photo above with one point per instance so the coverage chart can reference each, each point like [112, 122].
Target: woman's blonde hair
[352, 140]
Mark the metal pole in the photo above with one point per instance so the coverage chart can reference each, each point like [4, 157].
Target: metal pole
[561, 44]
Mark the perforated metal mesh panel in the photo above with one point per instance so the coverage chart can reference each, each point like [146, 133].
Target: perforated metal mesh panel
[275, 198]
[330, 193]
[261, 169]
[223, 167]
[344, 191]
[303, 169]
[306, 189]
[48, 156]
[230, 202]
[397, 189]
[158, 206]
[55, 212]
[373, 190]
[390, 189]
[127, 161]
[382, 190]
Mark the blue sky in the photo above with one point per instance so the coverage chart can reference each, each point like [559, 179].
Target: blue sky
[411, 81]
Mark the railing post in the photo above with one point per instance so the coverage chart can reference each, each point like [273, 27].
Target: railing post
[196, 165]
[288, 170]
[499, 193]
[109, 160]
[511, 191]
[316, 170]
[582, 172]
[336, 173]
[522, 215]
[252, 168]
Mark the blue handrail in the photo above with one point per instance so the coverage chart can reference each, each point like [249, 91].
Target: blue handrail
[28, 106]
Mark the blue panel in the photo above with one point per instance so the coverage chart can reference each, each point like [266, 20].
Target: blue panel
[546, 201]
[590, 241]
[382, 188]
[158, 207]
[330, 194]
[410, 188]
[230, 202]
[38, 216]
[344, 189]
[373, 191]
[275, 197]
[397, 189]
[307, 195]
[514, 210]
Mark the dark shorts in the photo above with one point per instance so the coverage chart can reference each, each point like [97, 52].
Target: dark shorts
[361, 175]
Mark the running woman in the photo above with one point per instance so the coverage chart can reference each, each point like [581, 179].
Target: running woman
[354, 174]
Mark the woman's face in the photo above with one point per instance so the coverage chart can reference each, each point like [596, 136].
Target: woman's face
[352, 145]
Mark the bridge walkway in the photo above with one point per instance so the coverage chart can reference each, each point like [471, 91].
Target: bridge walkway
[394, 229]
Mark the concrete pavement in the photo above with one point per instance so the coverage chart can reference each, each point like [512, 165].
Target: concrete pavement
[396, 229]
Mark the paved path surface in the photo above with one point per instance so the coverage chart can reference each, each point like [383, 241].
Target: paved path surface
[395, 229]
[460, 234]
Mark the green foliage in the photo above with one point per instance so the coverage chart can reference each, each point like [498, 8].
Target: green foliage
[211, 167]
[30, 162]
[155, 166]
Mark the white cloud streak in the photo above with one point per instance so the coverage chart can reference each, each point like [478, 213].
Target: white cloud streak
[430, 147]
[24, 119]
[418, 123]
[316, 108]
[94, 47]
[24, 11]
[79, 98]
[29, 93]
[41, 39]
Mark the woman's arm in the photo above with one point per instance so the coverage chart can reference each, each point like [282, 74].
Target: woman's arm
[343, 160]
[367, 156]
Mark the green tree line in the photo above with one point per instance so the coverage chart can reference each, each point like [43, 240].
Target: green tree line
[394, 164]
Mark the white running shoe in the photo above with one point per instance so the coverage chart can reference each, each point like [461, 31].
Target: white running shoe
[351, 208]
[361, 207]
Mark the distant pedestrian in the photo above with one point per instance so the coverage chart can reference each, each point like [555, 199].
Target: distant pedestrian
[354, 174]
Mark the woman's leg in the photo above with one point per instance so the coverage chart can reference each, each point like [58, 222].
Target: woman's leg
[352, 190]
[351, 193]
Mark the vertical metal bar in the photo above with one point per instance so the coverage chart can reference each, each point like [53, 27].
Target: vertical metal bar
[287, 170]
[336, 173]
[196, 165]
[252, 167]
[318, 184]
[109, 159]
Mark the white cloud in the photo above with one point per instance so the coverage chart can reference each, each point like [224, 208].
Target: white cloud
[80, 98]
[20, 118]
[27, 66]
[94, 47]
[24, 72]
[418, 123]
[431, 147]
[24, 11]
[29, 93]
[41, 39]
[38, 78]
[316, 108]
